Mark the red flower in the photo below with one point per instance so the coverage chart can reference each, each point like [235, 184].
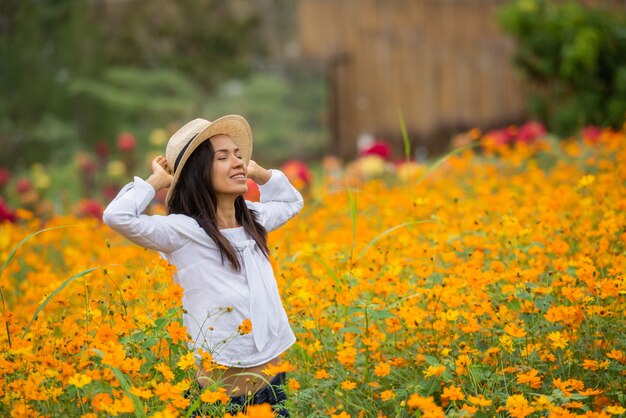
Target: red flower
[591, 133]
[5, 176]
[6, 214]
[253, 194]
[297, 172]
[102, 149]
[530, 131]
[126, 141]
[109, 191]
[23, 185]
[91, 207]
[502, 136]
[380, 148]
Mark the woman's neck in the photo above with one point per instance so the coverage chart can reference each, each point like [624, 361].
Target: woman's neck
[225, 214]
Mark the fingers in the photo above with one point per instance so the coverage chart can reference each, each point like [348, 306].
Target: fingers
[162, 162]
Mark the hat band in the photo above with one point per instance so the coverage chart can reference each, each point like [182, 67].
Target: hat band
[182, 152]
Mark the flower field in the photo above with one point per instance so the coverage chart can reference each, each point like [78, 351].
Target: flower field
[491, 285]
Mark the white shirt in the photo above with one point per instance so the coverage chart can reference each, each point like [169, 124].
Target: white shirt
[216, 297]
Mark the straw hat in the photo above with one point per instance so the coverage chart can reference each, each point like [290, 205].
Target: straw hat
[182, 144]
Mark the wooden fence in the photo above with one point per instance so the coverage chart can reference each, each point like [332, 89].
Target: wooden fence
[445, 65]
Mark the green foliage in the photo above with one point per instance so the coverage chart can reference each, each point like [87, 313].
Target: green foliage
[575, 56]
[43, 44]
[208, 40]
[74, 72]
[284, 113]
[132, 96]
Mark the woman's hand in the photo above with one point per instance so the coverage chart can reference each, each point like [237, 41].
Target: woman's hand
[160, 177]
[257, 173]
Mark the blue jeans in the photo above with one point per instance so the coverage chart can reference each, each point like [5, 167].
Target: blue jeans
[272, 394]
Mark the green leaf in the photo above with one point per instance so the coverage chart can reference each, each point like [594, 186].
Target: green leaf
[353, 330]
[160, 323]
[380, 314]
[405, 137]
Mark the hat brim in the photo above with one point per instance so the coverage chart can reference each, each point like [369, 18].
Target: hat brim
[235, 126]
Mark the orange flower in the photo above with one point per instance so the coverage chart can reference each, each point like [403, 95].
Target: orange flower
[479, 400]
[514, 330]
[382, 369]
[219, 395]
[348, 385]
[518, 406]
[387, 395]
[293, 384]
[531, 378]
[177, 332]
[283, 366]
[453, 393]
[434, 371]
[245, 327]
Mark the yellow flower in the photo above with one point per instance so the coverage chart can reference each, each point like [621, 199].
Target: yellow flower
[615, 410]
[558, 339]
[507, 343]
[187, 361]
[586, 180]
[434, 371]
[79, 380]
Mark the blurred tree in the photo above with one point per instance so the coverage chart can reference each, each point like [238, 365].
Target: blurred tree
[74, 72]
[575, 56]
[285, 112]
[43, 45]
[209, 40]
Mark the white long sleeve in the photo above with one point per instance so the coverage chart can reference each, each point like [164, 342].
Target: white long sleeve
[216, 297]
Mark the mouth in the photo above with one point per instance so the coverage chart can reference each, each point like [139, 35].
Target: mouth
[238, 177]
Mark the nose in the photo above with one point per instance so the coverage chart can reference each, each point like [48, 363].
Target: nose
[236, 161]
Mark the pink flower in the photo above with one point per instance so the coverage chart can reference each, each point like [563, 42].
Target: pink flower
[126, 141]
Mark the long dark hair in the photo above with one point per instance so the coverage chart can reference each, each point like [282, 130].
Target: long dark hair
[194, 196]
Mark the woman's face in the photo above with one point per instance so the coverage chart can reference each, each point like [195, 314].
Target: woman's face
[228, 172]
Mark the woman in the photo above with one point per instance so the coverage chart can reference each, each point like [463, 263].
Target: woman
[218, 243]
